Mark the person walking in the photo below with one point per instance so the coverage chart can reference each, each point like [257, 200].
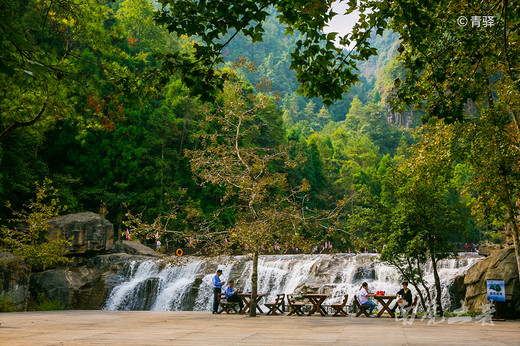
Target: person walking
[217, 288]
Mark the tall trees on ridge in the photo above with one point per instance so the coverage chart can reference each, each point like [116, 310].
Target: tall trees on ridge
[454, 72]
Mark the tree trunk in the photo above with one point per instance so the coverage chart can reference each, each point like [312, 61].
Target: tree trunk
[516, 242]
[424, 301]
[26, 299]
[510, 208]
[510, 215]
[425, 286]
[513, 227]
[421, 296]
[415, 284]
[410, 274]
[254, 284]
[438, 299]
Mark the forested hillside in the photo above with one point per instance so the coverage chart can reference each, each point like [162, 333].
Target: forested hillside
[98, 118]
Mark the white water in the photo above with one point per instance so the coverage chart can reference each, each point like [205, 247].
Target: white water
[187, 285]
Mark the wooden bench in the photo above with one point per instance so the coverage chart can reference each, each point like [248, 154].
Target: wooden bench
[225, 305]
[294, 307]
[339, 308]
[362, 308]
[275, 307]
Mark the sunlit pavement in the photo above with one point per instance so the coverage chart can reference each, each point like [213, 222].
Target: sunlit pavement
[204, 328]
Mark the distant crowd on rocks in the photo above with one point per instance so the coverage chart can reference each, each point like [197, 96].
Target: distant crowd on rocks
[276, 249]
[467, 247]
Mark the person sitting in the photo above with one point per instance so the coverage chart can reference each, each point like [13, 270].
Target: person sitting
[232, 294]
[405, 299]
[363, 298]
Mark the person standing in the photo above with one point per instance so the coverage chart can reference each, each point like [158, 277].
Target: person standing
[363, 298]
[217, 288]
[232, 295]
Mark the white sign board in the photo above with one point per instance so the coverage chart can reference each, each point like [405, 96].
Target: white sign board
[496, 290]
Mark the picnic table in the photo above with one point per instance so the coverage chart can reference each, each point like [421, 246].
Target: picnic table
[385, 301]
[246, 298]
[316, 301]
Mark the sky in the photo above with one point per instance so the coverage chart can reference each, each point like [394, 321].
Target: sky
[340, 23]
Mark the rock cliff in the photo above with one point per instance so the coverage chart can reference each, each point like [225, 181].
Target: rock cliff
[99, 263]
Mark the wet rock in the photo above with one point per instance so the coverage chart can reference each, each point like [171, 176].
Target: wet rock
[364, 273]
[103, 261]
[457, 292]
[93, 294]
[133, 248]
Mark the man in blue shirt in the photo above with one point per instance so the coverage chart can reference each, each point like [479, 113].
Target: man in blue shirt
[217, 288]
[232, 295]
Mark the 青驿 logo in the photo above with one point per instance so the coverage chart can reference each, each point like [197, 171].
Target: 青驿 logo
[462, 21]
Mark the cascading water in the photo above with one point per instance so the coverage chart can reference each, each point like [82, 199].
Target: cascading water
[187, 285]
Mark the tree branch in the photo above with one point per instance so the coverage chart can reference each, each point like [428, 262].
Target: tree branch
[18, 124]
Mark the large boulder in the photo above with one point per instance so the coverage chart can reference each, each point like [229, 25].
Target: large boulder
[90, 233]
[500, 265]
[487, 249]
[60, 284]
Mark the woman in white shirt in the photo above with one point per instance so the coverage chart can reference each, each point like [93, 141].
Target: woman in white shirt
[363, 298]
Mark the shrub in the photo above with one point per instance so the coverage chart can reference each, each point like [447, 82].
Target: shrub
[6, 304]
[45, 304]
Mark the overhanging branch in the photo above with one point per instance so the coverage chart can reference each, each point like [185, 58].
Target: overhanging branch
[18, 124]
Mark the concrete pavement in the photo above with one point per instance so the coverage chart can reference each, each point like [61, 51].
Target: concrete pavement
[204, 328]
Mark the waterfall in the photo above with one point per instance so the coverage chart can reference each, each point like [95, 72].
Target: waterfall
[186, 285]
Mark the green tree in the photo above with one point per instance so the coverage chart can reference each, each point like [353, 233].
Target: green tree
[136, 17]
[428, 211]
[31, 239]
[489, 143]
[466, 74]
[51, 52]
[268, 210]
[322, 69]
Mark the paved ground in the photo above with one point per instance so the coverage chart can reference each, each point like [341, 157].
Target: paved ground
[203, 328]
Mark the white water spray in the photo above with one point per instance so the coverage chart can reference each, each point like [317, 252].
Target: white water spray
[187, 286]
